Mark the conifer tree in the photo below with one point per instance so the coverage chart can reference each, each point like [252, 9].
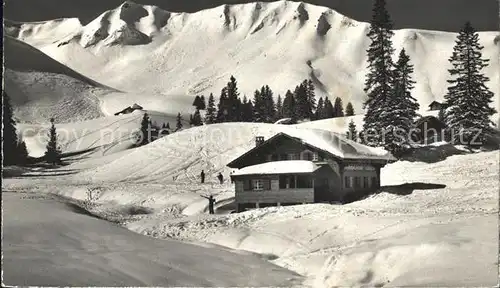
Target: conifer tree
[232, 100]
[311, 96]
[178, 125]
[196, 118]
[327, 111]
[378, 84]
[349, 110]
[222, 107]
[318, 114]
[258, 107]
[14, 149]
[53, 152]
[468, 99]
[289, 106]
[203, 103]
[352, 133]
[338, 110]
[268, 105]
[403, 107]
[302, 105]
[211, 116]
[196, 102]
[279, 109]
[145, 135]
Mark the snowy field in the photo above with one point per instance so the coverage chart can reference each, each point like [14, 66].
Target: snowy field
[432, 224]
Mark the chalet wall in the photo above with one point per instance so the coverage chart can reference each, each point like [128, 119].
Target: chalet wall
[305, 195]
[360, 171]
[327, 184]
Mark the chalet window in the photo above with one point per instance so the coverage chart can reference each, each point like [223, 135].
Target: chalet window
[269, 158]
[347, 181]
[357, 182]
[283, 157]
[261, 184]
[293, 156]
[304, 181]
[374, 182]
[257, 185]
[308, 155]
[315, 156]
[365, 182]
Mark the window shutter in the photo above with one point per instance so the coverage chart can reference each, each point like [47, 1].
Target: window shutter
[267, 184]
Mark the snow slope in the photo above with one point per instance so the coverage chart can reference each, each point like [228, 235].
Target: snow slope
[432, 225]
[52, 243]
[278, 43]
[41, 88]
[101, 136]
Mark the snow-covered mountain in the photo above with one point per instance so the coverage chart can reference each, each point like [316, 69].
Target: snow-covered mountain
[153, 54]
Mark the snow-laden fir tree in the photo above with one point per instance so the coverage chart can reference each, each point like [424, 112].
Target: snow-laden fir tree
[352, 132]
[302, 105]
[327, 111]
[318, 114]
[14, 149]
[196, 118]
[53, 152]
[349, 110]
[268, 105]
[232, 100]
[222, 107]
[246, 110]
[403, 107]
[311, 96]
[203, 103]
[258, 107]
[468, 111]
[378, 84]
[178, 125]
[289, 106]
[211, 115]
[279, 108]
[338, 110]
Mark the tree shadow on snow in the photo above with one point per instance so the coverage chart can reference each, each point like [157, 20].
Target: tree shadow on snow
[409, 188]
[400, 190]
[432, 154]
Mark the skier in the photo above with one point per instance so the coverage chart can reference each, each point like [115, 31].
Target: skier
[202, 176]
[211, 202]
[221, 178]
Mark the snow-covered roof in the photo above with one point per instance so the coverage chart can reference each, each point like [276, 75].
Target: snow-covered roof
[278, 167]
[337, 144]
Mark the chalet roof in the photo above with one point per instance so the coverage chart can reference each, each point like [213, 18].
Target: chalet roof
[279, 167]
[330, 142]
[435, 102]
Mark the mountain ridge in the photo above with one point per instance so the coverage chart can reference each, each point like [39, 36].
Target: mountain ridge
[444, 15]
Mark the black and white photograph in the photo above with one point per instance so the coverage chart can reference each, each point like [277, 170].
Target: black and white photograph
[242, 143]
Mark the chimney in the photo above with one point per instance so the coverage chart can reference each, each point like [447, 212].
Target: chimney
[259, 140]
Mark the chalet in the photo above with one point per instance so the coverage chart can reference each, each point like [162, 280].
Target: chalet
[435, 106]
[129, 109]
[428, 128]
[305, 166]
